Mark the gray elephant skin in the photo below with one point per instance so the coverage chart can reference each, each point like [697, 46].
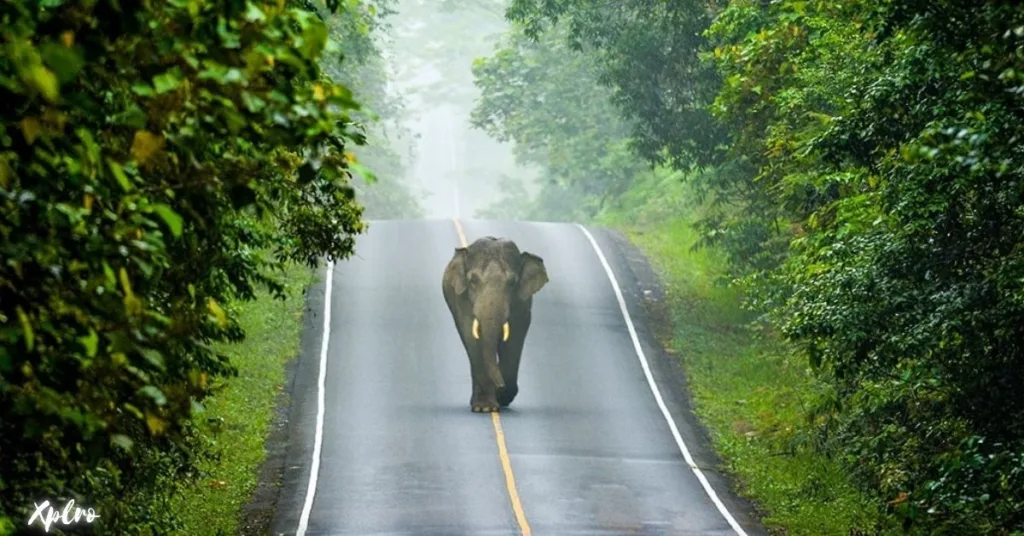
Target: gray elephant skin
[489, 287]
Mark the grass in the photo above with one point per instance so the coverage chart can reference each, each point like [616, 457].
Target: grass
[750, 392]
[244, 409]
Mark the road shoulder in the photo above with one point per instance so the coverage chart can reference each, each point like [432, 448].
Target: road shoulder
[289, 445]
[646, 302]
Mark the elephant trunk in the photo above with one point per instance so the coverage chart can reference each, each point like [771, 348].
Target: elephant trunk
[489, 333]
[488, 336]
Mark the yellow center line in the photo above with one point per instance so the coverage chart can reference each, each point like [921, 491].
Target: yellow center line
[499, 435]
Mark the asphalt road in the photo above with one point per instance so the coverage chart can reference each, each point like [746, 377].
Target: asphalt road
[584, 448]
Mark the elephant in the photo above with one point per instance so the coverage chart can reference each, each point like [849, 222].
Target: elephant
[489, 287]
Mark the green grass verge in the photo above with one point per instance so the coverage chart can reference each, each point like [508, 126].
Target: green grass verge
[244, 409]
[748, 391]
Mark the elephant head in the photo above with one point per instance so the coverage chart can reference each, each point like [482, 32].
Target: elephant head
[499, 282]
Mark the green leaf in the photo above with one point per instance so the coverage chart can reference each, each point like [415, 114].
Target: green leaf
[154, 393]
[253, 13]
[46, 82]
[90, 342]
[252, 102]
[168, 81]
[26, 328]
[154, 357]
[66, 62]
[143, 89]
[170, 217]
[121, 441]
[134, 117]
[133, 410]
[119, 175]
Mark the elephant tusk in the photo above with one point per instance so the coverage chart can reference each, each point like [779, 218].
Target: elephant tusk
[476, 329]
[504, 332]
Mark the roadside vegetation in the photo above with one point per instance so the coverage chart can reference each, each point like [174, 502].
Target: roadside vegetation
[170, 172]
[832, 193]
[238, 416]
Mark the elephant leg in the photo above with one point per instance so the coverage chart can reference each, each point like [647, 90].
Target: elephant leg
[485, 396]
[510, 353]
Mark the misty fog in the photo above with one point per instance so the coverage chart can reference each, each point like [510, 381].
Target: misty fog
[430, 50]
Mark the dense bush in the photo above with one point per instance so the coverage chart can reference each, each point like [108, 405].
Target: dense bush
[158, 160]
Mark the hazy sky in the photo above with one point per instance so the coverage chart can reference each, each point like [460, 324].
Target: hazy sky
[431, 51]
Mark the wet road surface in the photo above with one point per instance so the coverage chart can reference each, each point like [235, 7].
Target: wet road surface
[584, 449]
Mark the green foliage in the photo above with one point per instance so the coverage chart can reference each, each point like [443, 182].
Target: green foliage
[859, 165]
[158, 161]
[240, 415]
[546, 99]
[645, 53]
[893, 147]
[381, 190]
[748, 390]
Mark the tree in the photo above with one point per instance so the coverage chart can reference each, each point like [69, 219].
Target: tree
[889, 131]
[158, 160]
[545, 97]
[647, 54]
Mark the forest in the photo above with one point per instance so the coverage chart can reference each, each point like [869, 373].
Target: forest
[855, 171]
[831, 190]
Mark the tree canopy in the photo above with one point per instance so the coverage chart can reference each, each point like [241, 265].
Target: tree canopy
[158, 162]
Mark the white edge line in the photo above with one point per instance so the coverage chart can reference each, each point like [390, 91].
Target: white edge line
[654, 388]
[314, 469]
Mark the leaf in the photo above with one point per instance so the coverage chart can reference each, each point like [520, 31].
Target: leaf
[26, 328]
[146, 144]
[154, 357]
[45, 81]
[215, 308]
[155, 424]
[134, 117]
[30, 128]
[143, 89]
[119, 175]
[170, 217]
[121, 441]
[6, 365]
[132, 305]
[167, 81]
[154, 393]
[133, 410]
[90, 342]
[66, 62]
[252, 102]
[253, 13]
[126, 284]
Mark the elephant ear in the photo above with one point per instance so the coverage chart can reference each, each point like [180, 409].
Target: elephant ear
[455, 273]
[532, 275]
